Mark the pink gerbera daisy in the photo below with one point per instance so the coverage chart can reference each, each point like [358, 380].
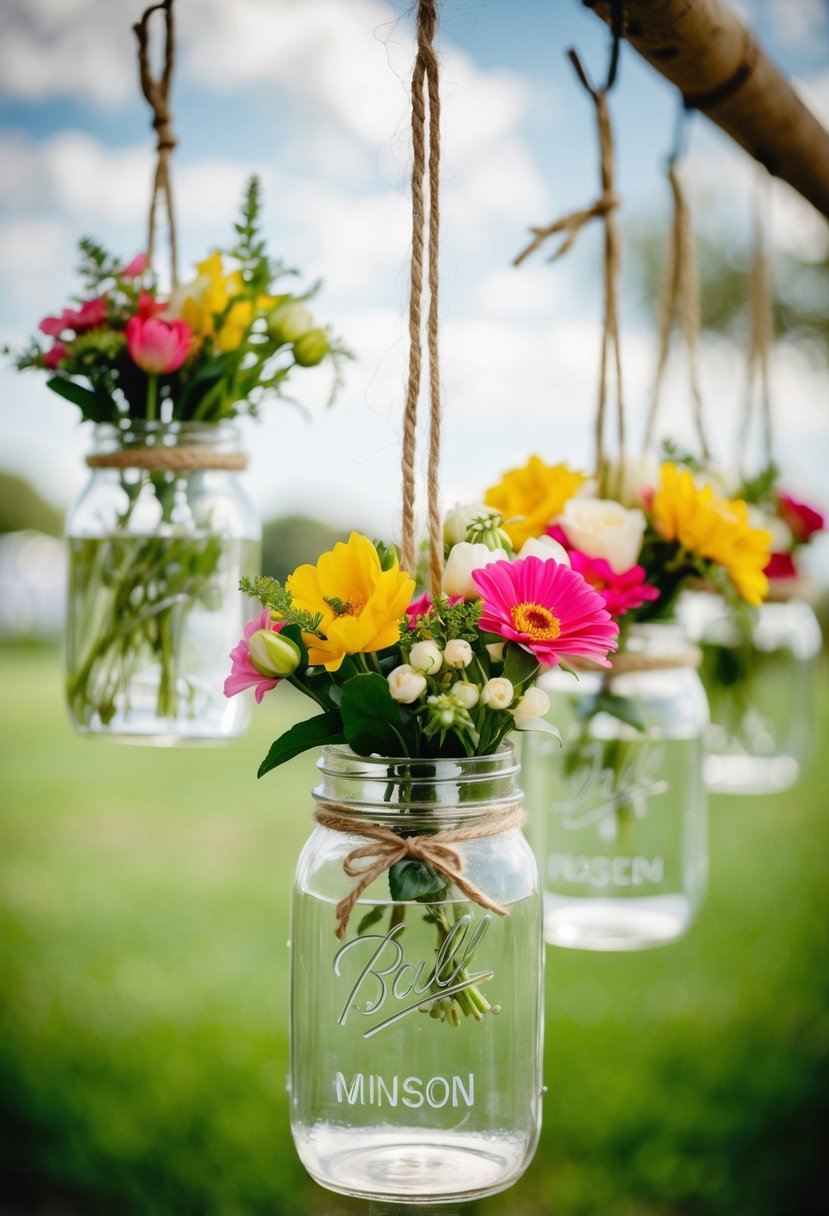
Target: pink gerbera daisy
[243, 673]
[547, 608]
[620, 592]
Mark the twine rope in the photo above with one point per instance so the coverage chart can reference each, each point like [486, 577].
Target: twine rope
[157, 93]
[425, 82]
[680, 301]
[177, 460]
[760, 337]
[368, 861]
[604, 208]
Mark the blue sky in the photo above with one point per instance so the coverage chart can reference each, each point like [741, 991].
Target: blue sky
[313, 95]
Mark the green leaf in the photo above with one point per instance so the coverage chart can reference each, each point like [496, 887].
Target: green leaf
[313, 732]
[372, 720]
[370, 919]
[414, 879]
[542, 726]
[619, 707]
[95, 407]
[519, 665]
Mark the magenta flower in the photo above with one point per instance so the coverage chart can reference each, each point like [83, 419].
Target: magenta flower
[547, 608]
[136, 267]
[158, 346]
[780, 565]
[243, 674]
[803, 521]
[90, 315]
[53, 357]
[621, 592]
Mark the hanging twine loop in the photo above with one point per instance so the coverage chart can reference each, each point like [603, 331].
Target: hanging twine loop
[680, 301]
[157, 93]
[605, 209]
[425, 214]
[760, 336]
[368, 861]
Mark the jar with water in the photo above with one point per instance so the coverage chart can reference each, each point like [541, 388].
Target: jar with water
[617, 813]
[416, 1033]
[761, 680]
[157, 544]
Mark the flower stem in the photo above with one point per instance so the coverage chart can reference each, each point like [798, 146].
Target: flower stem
[152, 396]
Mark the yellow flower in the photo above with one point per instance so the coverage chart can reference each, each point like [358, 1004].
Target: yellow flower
[203, 298]
[235, 325]
[536, 494]
[361, 604]
[714, 528]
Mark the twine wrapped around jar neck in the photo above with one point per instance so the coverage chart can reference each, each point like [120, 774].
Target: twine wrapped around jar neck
[176, 460]
[176, 447]
[626, 662]
[437, 849]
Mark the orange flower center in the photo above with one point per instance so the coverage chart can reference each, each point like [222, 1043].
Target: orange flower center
[536, 621]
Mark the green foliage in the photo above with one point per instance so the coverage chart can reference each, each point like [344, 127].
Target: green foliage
[96, 267]
[446, 622]
[761, 490]
[372, 721]
[415, 879]
[520, 667]
[271, 594]
[21, 507]
[94, 406]
[323, 729]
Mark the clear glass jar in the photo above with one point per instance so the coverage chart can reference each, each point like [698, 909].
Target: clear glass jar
[617, 815]
[155, 556]
[762, 689]
[416, 1040]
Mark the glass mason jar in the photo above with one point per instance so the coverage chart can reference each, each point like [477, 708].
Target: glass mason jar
[416, 1037]
[762, 689]
[157, 543]
[618, 813]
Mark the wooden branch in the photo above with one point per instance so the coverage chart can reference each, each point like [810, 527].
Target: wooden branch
[715, 62]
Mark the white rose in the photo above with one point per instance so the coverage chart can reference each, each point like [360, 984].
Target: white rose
[466, 695]
[459, 518]
[426, 657]
[534, 704]
[458, 653]
[633, 478]
[497, 693]
[545, 548]
[463, 559]
[602, 528]
[406, 684]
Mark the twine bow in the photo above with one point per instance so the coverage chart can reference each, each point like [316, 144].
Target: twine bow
[425, 80]
[157, 93]
[437, 850]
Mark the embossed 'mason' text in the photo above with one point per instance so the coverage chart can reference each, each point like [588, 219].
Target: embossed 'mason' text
[606, 871]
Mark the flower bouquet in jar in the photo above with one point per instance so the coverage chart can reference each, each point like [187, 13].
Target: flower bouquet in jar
[163, 532]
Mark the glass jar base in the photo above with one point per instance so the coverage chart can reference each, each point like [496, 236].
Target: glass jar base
[147, 730]
[410, 1165]
[615, 924]
[750, 774]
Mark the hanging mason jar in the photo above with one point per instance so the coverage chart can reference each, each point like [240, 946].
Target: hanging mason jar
[618, 813]
[761, 682]
[416, 1022]
[157, 543]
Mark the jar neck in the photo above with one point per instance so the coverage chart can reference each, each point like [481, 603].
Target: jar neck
[656, 638]
[217, 437]
[426, 792]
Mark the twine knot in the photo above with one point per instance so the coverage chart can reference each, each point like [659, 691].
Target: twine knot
[165, 139]
[368, 861]
[156, 90]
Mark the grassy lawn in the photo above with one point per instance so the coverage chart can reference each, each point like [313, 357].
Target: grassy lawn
[143, 925]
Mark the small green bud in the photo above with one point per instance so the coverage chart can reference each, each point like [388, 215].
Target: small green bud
[311, 348]
[289, 321]
[272, 654]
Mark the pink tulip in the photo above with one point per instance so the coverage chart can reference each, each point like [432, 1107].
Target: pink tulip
[157, 346]
[53, 357]
[136, 267]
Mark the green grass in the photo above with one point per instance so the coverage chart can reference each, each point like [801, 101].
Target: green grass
[143, 926]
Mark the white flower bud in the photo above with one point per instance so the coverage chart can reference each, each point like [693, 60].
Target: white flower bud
[458, 653]
[497, 693]
[272, 654]
[406, 684]
[495, 650]
[426, 657]
[289, 321]
[545, 548]
[463, 559]
[465, 694]
[459, 518]
[534, 704]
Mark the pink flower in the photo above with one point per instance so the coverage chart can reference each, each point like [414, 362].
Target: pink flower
[421, 606]
[53, 327]
[243, 674]
[547, 608]
[802, 521]
[159, 347]
[621, 592]
[149, 306]
[558, 534]
[53, 357]
[781, 565]
[91, 314]
[136, 267]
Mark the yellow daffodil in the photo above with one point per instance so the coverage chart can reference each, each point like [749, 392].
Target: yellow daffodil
[535, 494]
[361, 604]
[201, 300]
[235, 325]
[717, 529]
